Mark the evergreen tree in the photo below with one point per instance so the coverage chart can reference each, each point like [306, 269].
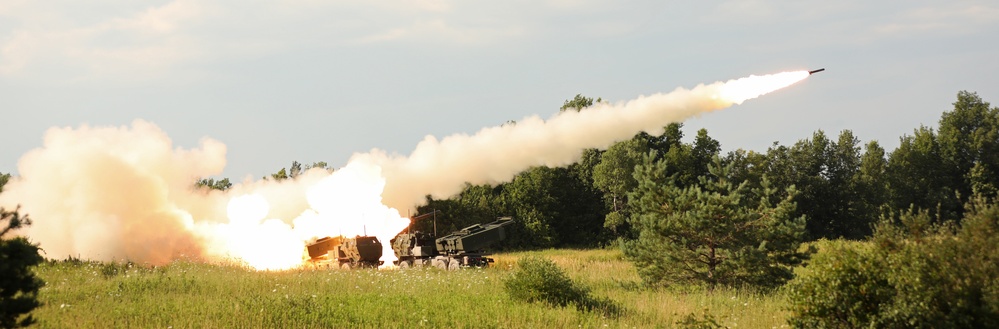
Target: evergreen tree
[715, 232]
[295, 169]
[18, 284]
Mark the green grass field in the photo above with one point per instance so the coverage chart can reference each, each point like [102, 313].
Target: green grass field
[197, 295]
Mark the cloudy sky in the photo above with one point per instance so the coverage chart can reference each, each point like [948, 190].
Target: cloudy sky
[313, 80]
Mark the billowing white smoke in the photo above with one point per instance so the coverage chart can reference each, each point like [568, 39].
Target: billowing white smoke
[125, 193]
[114, 193]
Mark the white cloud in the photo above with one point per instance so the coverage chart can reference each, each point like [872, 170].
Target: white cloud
[140, 43]
[163, 19]
[125, 43]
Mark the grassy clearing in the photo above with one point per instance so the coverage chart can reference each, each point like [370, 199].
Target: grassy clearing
[195, 295]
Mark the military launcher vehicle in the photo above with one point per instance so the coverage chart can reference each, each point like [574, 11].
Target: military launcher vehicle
[346, 253]
[464, 248]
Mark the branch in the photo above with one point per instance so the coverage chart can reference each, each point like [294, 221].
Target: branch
[15, 220]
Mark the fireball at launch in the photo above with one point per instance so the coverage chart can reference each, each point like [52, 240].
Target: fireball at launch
[127, 193]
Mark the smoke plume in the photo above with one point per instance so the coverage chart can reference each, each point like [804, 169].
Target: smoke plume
[112, 193]
[117, 193]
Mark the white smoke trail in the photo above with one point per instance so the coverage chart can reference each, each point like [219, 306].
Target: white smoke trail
[495, 154]
[114, 193]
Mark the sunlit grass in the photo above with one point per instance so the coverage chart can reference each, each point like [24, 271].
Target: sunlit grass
[197, 295]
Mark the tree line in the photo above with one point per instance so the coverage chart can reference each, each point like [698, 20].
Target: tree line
[683, 212]
[840, 187]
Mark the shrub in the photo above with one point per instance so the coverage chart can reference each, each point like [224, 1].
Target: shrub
[705, 321]
[844, 286]
[18, 284]
[540, 280]
[912, 275]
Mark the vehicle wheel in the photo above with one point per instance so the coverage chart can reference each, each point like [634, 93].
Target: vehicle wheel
[453, 265]
[404, 264]
[441, 264]
[345, 266]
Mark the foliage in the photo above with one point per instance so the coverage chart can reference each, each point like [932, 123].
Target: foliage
[18, 284]
[716, 232]
[297, 169]
[578, 103]
[705, 321]
[969, 143]
[827, 175]
[552, 208]
[842, 287]
[614, 176]
[912, 274]
[4, 178]
[280, 175]
[918, 176]
[211, 183]
[941, 171]
[540, 280]
[475, 204]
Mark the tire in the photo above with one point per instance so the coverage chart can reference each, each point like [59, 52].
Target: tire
[453, 265]
[441, 264]
[345, 266]
[404, 264]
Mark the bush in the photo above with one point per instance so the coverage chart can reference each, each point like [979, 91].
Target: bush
[540, 280]
[912, 275]
[18, 284]
[705, 321]
[844, 286]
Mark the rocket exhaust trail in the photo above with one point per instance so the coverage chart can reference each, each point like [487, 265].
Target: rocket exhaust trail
[441, 167]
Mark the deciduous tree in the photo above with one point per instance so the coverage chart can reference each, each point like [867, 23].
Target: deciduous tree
[211, 183]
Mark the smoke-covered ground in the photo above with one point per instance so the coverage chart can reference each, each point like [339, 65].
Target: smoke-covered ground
[115, 193]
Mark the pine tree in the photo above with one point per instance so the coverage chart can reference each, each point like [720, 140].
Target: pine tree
[18, 284]
[714, 232]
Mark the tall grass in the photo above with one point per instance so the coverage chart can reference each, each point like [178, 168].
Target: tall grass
[197, 295]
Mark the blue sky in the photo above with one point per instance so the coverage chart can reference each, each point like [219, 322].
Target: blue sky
[313, 80]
